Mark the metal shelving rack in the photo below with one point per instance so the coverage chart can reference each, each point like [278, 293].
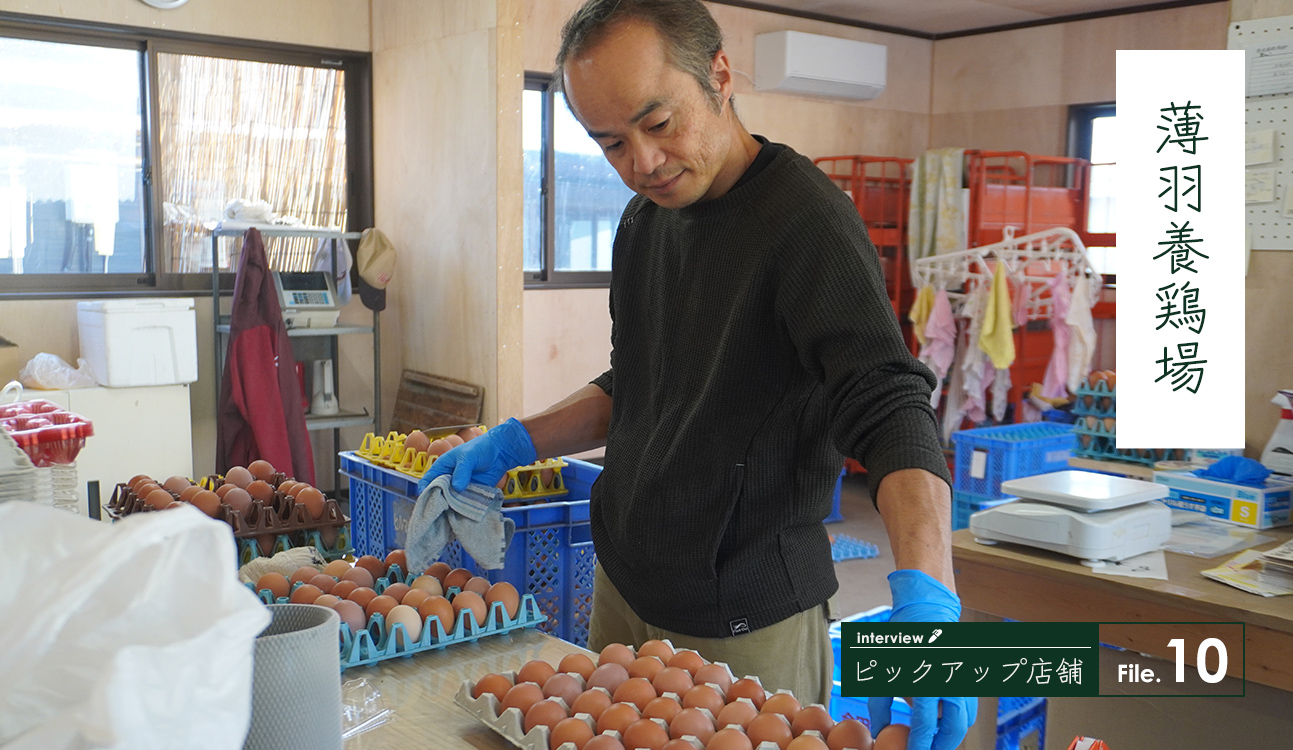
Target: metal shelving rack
[332, 422]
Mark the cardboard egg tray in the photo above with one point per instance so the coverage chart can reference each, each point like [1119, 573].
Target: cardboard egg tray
[510, 722]
[46, 432]
[279, 517]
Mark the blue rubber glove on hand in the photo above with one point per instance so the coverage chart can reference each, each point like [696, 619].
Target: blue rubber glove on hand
[918, 597]
[484, 460]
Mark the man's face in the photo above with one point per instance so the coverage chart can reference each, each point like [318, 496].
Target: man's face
[653, 122]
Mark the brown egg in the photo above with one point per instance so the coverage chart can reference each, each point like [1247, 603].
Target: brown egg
[266, 542]
[747, 688]
[618, 716]
[187, 493]
[522, 696]
[343, 588]
[849, 733]
[770, 727]
[616, 653]
[604, 742]
[457, 578]
[397, 591]
[380, 605]
[545, 478]
[592, 702]
[429, 584]
[508, 598]
[714, 674]
[360, 576]
[671, 680]
[397, 557]
[277, 584]
[704, 696]
[206, 501]
[417, 441]
[678, 745]
[730, 739]
[694, 722]
[645, 733]
[658, 649]
[439, 608]
[454, 441]
[414, 597]
[663, 707]
[609, 676]
[812, 717]
[645, 666]
[572, 730]
[314, 503]
[688, 660]
[324, 583]
[1110, 425]
[225, 489]
[369, 563]
[1111, 380]
[303, 574]
[352, 615]
[438, 448]
[635, 690]
[536, 671]
[477, 584]
[806, 742]
[739, 712]
[136, 479]
[438, 570]
[262, 470]
[177, 484]
[472, 602]
[336, 568]
[305, 594]
[407, 616]
[238, 499]
[362, 596]
[496, 684]
[580, 664]
[239, 477]
[892, 737]
[781, 703]
[564, 686]
[159, 498]
[466, 433]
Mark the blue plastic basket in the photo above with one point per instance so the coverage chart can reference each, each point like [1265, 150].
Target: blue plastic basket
[966, 504]
[1026, 730]
[1009, 452]
[551, 556]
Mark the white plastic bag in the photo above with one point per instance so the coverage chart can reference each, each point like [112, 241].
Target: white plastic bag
[130, 636]
[51, 372]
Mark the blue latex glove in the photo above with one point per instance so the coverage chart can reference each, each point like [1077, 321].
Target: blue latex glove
[485, 459]
[1236, 470]
[918, 597]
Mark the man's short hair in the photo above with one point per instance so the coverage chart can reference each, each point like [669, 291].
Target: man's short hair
[691, 36]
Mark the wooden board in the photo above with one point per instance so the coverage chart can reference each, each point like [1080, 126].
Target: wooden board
[425, 400]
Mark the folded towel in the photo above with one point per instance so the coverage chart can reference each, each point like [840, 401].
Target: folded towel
[474, 517]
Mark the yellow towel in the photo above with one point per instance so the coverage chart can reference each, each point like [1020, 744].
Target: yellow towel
[996, 338]
[921, 307]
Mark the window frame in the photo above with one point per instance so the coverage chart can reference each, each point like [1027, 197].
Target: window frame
[1080, 130]
[547, 277]
[154, 280]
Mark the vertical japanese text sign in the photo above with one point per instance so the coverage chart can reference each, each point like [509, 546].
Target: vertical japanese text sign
[1180, 233]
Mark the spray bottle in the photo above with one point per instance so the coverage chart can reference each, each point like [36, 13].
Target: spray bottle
[1278, 455]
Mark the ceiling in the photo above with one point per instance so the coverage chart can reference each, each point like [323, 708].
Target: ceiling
[938, 18]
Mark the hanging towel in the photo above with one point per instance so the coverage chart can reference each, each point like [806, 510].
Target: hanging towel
[936, 215]
[940, 339]
[919, 312]
[975, 369]
[952, 410]
[1055, 384]
[474, 517]
[1019, 292]
[1000, 394]
[1082, 341]
[997, 338]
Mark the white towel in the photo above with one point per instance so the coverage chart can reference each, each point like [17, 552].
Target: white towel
[1082, 330]
[473, 517]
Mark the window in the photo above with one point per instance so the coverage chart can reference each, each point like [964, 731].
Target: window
[1092, 137]
[119, 151]
[573, 198]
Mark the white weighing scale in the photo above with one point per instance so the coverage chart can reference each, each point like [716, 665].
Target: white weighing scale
[308, 298]
[1093, 517]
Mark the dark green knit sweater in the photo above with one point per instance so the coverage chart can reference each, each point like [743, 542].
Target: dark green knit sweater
[753, 347]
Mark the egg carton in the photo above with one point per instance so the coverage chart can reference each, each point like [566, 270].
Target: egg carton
[1098, 401]
[395, 574]
[249, 548]
[277, 517]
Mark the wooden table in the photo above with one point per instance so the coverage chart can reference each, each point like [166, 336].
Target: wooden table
[1029, 584]
[420, 690]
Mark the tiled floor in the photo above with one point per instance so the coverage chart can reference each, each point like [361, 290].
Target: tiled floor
[862, 582]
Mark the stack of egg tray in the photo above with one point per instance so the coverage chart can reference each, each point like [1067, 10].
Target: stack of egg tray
[1100, 403]
[376, 643]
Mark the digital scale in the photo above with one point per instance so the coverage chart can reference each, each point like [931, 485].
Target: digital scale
[308, 298]
[1093, 517]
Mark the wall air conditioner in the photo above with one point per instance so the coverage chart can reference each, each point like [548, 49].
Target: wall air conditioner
[800, 63]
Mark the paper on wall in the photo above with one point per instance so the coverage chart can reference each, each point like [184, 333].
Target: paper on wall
[1259, 185]
[1259, 147]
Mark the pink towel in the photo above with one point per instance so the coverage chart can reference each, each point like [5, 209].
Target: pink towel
[940, 337]
[1054, 385]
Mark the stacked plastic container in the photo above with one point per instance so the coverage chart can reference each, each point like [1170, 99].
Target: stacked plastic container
[988, 456]
[51, 438]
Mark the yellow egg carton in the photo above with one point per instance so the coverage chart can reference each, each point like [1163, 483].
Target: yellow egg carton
[523, 483]
[527, 482]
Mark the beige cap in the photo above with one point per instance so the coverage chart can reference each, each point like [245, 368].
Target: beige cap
[376, 258]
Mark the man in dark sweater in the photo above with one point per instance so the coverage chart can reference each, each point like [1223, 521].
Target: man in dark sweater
[753, 347]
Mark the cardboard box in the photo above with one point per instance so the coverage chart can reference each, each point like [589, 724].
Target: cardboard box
[1256, 507]
[139, 342]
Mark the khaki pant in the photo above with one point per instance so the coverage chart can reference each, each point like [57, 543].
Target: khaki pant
[794, 654]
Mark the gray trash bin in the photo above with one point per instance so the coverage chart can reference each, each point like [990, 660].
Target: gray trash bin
[296, 685]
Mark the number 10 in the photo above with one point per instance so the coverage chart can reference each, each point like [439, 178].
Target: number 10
[1201, 659]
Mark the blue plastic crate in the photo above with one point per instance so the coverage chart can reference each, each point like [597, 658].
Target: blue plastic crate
[836, 516]
[551, 556]
[1009, 452]
[1025, 731]
[966, 504]
[1009, 709]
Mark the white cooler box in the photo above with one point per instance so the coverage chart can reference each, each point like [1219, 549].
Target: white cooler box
[138, 342]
